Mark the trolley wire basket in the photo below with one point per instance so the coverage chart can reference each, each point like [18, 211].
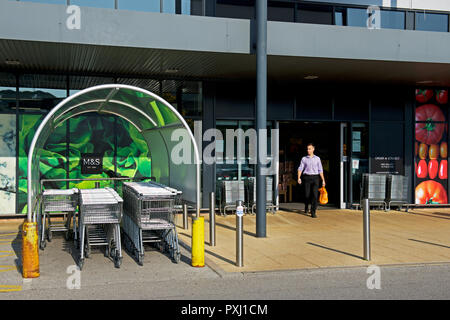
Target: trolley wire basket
[57, 202]
[149, 218]
[373, 187]
[232, 191]
[251, 191]
[397, 191]
[99, 223]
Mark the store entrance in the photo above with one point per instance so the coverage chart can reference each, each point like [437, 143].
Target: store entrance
[294, 138]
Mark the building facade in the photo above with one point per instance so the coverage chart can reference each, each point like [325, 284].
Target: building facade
[366, 81]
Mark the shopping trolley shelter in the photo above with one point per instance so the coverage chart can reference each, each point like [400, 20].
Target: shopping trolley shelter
[145, 209]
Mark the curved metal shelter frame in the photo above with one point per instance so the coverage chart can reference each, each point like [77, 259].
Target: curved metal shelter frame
[152, 116]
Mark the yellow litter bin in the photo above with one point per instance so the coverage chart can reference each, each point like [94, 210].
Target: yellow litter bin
[30, 254]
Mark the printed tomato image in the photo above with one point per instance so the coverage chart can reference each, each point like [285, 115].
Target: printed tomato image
[443, 150]
[423, 151]
[442, 96]
[422, 170]
[443, 172]
[423, 96]
[434, 151]
[427, 130]
[433, 167]
[430, 192]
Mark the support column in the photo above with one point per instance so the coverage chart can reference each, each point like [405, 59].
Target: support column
[261, 113]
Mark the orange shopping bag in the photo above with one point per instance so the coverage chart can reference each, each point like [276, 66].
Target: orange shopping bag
[323, 198]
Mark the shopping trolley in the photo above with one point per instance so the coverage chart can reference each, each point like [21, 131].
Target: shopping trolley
[57, 202]
[373, 187]
[99, 223]
[252, 194]
[149, 218]
[232, 190]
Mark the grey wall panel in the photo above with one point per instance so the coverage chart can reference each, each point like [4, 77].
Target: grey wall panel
[44, 22]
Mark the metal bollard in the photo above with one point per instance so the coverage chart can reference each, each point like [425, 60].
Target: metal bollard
[239, 234]
[97, 185]
[366, 226]
[185, 217]
[212, 220]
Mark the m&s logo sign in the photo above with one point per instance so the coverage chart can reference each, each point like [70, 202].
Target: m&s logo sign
[91, 163]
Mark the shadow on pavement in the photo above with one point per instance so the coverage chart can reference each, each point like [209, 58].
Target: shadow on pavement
[430, 243]
[335, 250]
[16, 245]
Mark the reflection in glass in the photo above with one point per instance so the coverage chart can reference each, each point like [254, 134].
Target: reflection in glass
[7, 99]
[94, 3]
[339, 18]
[185, 6]
[168, 6]
[139, 5]
[35, 98]
[392, 19]
[431, 22]
[47, 1]
[357, 17]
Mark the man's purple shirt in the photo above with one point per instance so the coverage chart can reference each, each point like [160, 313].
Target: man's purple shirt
[310, 165]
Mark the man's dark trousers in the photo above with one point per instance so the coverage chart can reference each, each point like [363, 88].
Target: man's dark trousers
[311, 184]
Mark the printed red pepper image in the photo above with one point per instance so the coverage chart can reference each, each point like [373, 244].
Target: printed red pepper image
[442, 96]
[433, 168]
[422, 170]
[423, 96]
[443, 170]
[430, 192]
[427, 129]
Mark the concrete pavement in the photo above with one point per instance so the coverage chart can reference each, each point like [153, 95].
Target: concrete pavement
[334, 239]
[307, 259]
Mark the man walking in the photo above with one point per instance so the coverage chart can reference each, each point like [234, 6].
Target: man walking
[311, 167]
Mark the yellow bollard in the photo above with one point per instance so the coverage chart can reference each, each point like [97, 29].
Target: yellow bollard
[198, 242]
[30, 254]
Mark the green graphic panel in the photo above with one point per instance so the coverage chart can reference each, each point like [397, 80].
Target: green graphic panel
[53, 157]
[91, 134]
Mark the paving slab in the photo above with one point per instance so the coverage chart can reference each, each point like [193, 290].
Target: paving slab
[335, 239]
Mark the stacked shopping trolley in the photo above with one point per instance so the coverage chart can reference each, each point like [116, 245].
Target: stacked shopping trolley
[99, 223]
[57, 202]
[251, 197]
[149, 218]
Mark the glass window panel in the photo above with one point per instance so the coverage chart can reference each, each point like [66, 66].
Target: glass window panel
[339, 18]
[139, 5]
[235, 9]
[318, 16]
[392, 19]
[64, 2]
[357, 17]
[94, 3]
[431, 22]
[41, 92]
[280, 12]
[197, 7]
[168, 6]
[185, 6]
[191, 99]
[77, 83]
[7, 93]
